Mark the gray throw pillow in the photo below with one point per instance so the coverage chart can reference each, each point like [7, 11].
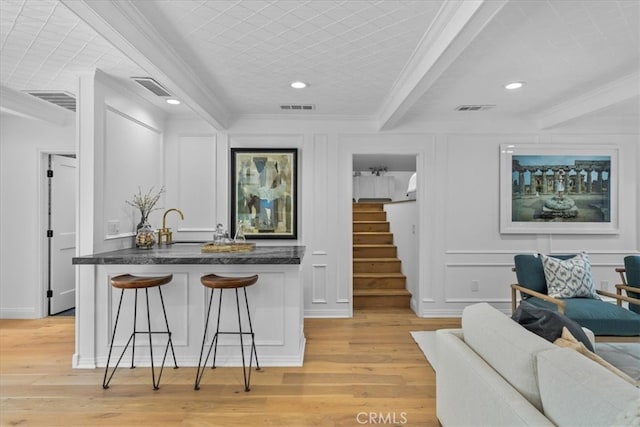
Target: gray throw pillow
[548, 324]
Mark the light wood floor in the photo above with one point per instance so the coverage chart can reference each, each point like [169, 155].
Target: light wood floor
[353, 368]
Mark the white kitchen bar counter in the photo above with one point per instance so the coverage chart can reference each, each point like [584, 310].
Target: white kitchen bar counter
[276, 303]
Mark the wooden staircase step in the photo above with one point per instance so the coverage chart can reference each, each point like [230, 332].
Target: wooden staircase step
[359, 226]
[381, 292]
[379, 281]
[372, 237]
[375, 251]
[376, 265]
[369, 216]
[381, 298]
[368, 207]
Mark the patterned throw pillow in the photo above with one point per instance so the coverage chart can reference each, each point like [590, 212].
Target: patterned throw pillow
[569, 278]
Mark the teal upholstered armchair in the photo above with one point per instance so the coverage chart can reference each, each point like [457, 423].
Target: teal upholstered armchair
[608, 321]
[631, 283]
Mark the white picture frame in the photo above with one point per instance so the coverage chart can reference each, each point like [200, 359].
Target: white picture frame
[558, 189]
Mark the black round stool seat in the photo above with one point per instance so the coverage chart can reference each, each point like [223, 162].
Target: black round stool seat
[128, 281]
[135, 283]
[219, 282]
[213, 282]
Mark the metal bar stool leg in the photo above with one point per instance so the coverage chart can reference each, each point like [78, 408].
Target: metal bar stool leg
[105, 382]
[135, 325]
[153, 370]
[132, 337]
[253, 341]
[156, 383]
[244, 369]
[170, 341]
[201, 366]
[217, 335]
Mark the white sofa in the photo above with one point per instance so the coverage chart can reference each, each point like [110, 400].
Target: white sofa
[494, 372]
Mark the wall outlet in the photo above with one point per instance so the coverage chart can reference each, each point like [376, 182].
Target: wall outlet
[113, 227]
[475, 286]
[604, 285]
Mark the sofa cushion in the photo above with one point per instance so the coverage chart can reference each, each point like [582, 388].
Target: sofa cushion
[548, 323]
[569, 278]
[603, 318]
[505, 345]
[569, 341]
[571, 397]
[469, 392]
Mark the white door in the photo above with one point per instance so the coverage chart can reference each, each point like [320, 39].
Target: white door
[62, 202]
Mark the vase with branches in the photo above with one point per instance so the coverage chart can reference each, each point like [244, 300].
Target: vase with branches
[145, 203]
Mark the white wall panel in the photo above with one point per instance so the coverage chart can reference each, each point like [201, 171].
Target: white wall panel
[319, 284]
[196, 176]
[472, 282]
[471, 190]
[403, 222]
[133, 153]
[22, 225]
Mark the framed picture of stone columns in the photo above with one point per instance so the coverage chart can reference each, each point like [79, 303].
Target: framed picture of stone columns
[558, 189]
[264, 197]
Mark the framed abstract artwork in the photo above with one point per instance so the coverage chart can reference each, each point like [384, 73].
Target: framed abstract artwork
[264, 195]
[558, 189]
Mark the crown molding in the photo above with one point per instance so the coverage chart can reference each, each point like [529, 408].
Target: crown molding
[138, 30]
[452, 31]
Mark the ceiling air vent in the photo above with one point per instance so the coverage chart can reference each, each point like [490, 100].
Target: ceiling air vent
[474, 107]
[297, 107]
[61, 98]
[151, 85]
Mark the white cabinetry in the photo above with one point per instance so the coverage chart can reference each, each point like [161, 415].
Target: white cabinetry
[373, 187]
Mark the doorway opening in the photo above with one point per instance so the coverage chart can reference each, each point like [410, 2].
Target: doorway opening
[59, 220]
[384, 232]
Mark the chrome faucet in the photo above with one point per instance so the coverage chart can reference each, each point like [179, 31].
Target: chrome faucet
[165, 232]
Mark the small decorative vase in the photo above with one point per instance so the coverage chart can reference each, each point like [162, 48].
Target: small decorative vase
[145, 237]
[142, 222]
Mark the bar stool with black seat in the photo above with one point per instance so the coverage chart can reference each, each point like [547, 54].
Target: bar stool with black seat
[128, 281]
[214, 282]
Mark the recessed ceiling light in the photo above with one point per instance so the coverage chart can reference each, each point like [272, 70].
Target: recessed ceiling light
[173, 101]
[299, 85]
[513, 85]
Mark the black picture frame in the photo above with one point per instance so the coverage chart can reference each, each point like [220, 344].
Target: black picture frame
[264, 193]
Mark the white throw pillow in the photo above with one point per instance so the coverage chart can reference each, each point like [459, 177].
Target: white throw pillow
[571, 278]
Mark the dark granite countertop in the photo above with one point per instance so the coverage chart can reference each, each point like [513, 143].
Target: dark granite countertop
[190, 253]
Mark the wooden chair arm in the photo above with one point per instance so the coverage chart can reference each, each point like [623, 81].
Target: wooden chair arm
[516, 287]
[628, 288]
[619, 297]
[621, 271]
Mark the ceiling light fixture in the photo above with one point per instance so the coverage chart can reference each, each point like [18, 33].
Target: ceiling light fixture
[173, 101]
[299, 85]
[513, 85]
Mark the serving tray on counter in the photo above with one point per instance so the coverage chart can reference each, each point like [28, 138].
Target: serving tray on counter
[228, 247]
